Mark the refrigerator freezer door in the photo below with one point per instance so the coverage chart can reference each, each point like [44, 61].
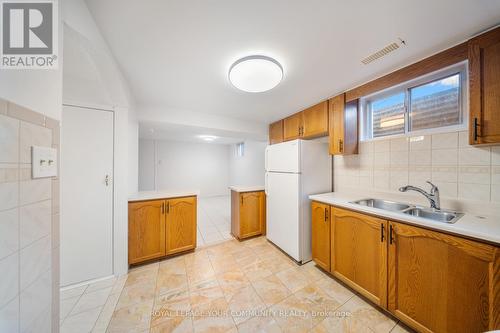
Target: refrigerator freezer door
[283, 157]
[283, 212]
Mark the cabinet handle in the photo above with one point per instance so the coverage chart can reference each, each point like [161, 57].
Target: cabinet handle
[241, 200]
[341, 145]
[476, 124]
[163, 207]
[326, 215]
[391, 238]
[382, 232]
[168, 207]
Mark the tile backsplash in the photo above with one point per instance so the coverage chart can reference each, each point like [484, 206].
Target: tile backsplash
[459, 170]
[29, 225]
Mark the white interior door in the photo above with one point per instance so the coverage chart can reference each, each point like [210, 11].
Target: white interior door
[86, 194]
[282, 209]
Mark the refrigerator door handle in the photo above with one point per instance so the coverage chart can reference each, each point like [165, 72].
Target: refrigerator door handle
[265, 158]
[265, 184]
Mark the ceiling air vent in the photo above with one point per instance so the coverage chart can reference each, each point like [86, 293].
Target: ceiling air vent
[383, 52]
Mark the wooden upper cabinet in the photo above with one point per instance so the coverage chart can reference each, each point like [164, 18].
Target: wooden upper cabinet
[181, 224]
[484, 88]
[315, 121]
[343, 126]
[442, 283]
[359, 253]
[321, 234]
[292, 127]
[146, 235]
[276, 132]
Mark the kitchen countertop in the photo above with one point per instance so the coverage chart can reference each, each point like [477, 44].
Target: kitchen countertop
[246, 188]
[485, 228]
[152, 195]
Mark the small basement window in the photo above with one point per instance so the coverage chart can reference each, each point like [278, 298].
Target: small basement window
[240, 149]
[435, 101]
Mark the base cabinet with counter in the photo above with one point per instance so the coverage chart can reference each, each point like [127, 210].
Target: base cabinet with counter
[432, 281]
[248, 214]
[161, 227]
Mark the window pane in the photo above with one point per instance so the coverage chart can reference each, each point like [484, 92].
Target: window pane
[435, 104]
[388, 115]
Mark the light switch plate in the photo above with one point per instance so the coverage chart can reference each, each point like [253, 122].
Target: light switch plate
[43, 162]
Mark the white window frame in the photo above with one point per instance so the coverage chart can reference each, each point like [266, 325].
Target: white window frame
[459, 68]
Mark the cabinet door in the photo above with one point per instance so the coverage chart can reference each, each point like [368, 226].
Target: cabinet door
[321, 234]
[359, 253]
[343, 126]
[251, 214]
[146, 230]
[442, 283]
[315, 120]
[181, 224]
[484, 88]
[276, 132]
[292, 127]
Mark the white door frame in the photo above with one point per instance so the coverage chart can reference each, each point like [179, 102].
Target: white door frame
[104, 108]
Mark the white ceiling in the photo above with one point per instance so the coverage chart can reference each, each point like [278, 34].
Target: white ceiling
[176, 54]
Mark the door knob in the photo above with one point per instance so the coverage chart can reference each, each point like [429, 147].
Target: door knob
[107, 180]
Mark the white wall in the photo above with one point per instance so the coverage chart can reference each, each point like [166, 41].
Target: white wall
[147, 165]
[185, 165]
[248, 170]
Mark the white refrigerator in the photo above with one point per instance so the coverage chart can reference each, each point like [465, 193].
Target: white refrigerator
[294, 170]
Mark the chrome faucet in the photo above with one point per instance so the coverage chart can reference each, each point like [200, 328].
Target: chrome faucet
[432, 196]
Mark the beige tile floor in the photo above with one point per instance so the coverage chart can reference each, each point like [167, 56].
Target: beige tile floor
[232, 286]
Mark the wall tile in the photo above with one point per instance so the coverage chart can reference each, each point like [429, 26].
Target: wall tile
[35, 190]
[474, 156]
[9, 140]
[9, 279]
[399, 158]
[495, 155]
[35, 300]
[421, 142]
[399, 144]
[445, 157]
[32, 135]
[9, 232]
[365, 147]
[381, 160]
[418, 176]
[35, 260]
[476, 192]
[55, 229]
[9, 316]
[3, 106]
[399, 177]
[463, 139]
[445, 140]
[9, 172]
[447, 174]
[19, 112]
[474, 174]
[495, 193]
[35, 221]
[420, 157]
[9, 195]
[495, 175]
[446, 189]
[381, 179]
[380, 146]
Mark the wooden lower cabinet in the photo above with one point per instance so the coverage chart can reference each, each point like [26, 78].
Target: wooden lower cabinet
[359, 253]
[181, 224]
[157, 228]
[248, 214]
[321, 234]
[146, 230]
[443, 283]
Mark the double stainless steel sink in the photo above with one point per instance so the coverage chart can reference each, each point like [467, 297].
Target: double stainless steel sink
[433, 214]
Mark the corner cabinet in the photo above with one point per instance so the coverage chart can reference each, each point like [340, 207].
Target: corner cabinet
[157, 228]
[484, 88]
[343, 126]
[248, 214]
[443, 283]
[359, 253]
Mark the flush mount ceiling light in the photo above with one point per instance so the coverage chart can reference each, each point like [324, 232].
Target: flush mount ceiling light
[255, 73]
[207, 137]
